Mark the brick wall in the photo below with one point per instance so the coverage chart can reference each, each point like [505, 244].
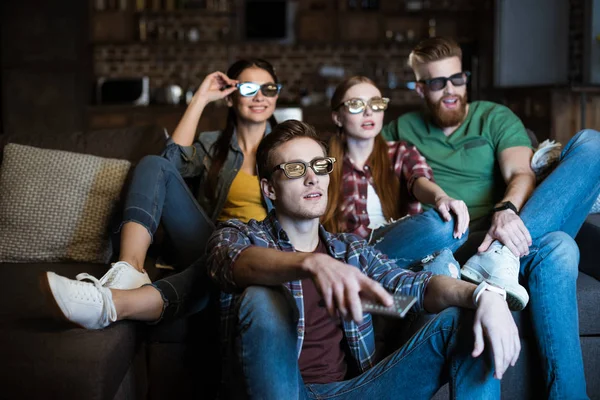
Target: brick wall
[297, 66]
[164, 51]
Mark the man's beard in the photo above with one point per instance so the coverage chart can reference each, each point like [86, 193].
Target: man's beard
[447, 118]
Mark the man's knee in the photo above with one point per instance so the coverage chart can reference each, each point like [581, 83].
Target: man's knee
[270, 308]
[589, 138]
[451, 318]
[564, 253]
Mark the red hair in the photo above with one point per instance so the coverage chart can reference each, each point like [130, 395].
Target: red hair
[387, 184]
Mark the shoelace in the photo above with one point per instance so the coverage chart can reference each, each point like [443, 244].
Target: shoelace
[110, 313]
[510, 267]
[112, 275]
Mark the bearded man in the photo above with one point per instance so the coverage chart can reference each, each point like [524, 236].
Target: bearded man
[480, 153]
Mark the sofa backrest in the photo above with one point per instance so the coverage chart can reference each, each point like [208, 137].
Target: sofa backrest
[128, 143]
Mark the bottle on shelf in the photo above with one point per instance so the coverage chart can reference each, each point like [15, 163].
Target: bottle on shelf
[432, 27]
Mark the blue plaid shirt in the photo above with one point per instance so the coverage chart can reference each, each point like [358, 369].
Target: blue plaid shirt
[233, 237]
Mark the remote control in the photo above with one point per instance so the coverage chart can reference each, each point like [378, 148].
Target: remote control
[401, 306]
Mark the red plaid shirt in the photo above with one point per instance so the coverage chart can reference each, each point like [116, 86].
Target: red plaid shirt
[408, 165]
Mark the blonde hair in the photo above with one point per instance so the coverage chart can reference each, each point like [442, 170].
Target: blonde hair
[433, 49]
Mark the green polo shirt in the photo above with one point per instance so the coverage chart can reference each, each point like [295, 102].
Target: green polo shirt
[464, 164]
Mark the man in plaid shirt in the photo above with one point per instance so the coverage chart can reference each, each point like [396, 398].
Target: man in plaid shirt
[291, 307]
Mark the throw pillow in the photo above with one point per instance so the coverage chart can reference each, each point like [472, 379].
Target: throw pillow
[57, 205]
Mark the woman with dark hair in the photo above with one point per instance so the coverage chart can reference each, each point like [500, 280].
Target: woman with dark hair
[378, 183]
[225, 164]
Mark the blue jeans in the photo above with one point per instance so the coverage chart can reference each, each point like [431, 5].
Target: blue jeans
[411, 239]
[564, 199]
[560, 203]
[265, 352]
[550, 274]
[158, 194]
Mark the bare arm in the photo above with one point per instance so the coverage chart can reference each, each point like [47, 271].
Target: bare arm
[209, 90]
[443, 292]
[507, 226]
[515, 166]
[339, 283]
[492, 318]
[429, 192]
[262, 266]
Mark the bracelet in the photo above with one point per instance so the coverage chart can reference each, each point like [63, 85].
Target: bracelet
[483, 286]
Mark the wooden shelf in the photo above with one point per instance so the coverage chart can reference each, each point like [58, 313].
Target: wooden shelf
[186, 12]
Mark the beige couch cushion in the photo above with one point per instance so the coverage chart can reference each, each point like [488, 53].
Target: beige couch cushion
[57, 205]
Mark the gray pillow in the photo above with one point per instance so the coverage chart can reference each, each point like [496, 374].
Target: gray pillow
[57, 205]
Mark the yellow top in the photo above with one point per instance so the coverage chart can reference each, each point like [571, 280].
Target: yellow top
[244, 200]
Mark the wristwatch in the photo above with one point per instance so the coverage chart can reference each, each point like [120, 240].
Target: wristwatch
[485, 285]
[507, 205]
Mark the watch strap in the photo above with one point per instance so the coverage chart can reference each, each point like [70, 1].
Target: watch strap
[482, 287]
[507, 205]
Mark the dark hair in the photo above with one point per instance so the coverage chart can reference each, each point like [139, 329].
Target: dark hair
[282, 133]
[387, 184]
[221, 146]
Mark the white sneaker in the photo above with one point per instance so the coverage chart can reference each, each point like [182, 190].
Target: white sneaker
[86, 304]
[499, 266]
[124, 276]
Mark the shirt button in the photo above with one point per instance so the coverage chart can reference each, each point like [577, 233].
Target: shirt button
[300, 331]
[363, 197]
[363, 178]
[364, 212]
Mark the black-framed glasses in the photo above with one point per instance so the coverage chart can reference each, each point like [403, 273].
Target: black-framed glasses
[435, 84]
[356, 106]
[297, 169]
[250, 89]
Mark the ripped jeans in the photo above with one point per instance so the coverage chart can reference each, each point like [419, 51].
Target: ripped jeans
[411, 241]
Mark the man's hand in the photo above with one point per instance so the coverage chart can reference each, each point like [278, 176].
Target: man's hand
[508, 228]
[447, 204]
[494, 321]
[341, 284]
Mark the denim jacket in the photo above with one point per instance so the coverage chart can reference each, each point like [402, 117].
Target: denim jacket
[195, 161]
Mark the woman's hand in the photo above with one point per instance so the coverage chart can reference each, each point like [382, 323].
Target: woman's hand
[445, 205]
[212, 86]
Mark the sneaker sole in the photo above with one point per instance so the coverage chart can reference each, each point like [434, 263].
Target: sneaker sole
[51, 301]
[516, 297]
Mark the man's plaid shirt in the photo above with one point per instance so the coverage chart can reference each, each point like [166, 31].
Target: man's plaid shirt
[233, 237]
[408, 165]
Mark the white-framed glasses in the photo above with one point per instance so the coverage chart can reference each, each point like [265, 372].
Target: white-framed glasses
[297, 169]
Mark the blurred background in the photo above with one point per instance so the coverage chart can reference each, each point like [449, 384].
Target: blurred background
[75, 65]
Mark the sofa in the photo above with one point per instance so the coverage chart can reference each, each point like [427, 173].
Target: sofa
[42, 357]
